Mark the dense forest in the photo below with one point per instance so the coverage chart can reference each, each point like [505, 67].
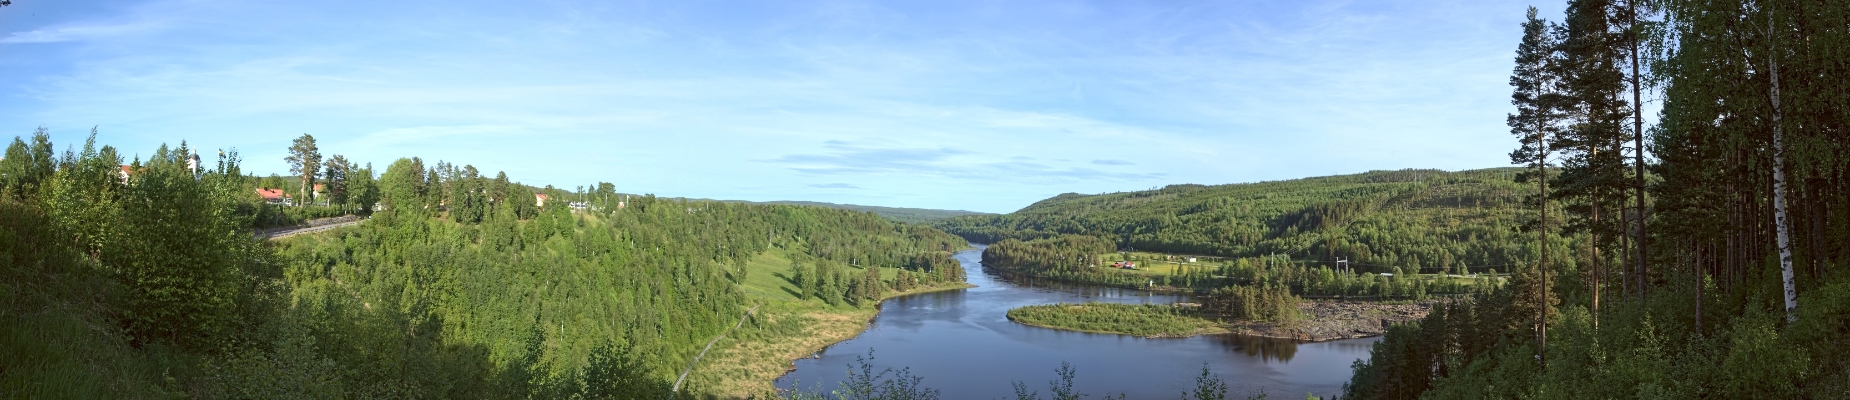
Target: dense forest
[1081, 258]
[1418, 220]
[149, 283]
[1714, 268]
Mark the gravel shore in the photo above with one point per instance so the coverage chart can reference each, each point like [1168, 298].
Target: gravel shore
[1332, 320]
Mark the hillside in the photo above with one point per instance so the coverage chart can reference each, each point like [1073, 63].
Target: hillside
[154, 287]
[1428, 220]
[896, 214]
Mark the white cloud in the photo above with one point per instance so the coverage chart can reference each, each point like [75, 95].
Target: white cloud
[82, 32]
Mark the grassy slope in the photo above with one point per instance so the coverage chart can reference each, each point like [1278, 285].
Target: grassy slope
[746, 362]
[1382, 218]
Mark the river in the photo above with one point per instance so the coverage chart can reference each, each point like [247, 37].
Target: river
[962, 343]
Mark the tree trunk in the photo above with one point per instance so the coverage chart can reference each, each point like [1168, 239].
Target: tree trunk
[1779, 190]
[1541, 314]
[1638, 152]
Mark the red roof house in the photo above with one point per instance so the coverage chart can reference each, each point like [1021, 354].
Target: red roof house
[273, 196]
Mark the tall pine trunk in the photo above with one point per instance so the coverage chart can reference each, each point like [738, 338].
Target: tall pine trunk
[1638, 152]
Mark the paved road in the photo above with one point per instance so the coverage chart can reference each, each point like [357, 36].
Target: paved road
[312, 229]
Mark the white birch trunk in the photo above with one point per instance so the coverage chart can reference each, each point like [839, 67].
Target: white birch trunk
[1779, 191]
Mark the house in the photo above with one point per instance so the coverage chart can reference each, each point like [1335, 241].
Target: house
[126, 171]
[273, 196]
[539, 200]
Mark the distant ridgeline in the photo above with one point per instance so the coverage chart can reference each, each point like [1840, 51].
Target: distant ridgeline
[906, 215]
[460, 286]
[1424, 220]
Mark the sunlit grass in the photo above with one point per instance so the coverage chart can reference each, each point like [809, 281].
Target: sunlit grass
[785, 328]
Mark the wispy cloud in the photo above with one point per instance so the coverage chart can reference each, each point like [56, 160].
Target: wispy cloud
[911, 103]
[81, 32]
[859, 158]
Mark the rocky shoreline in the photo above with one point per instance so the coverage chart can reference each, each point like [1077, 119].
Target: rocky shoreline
[1333, 319]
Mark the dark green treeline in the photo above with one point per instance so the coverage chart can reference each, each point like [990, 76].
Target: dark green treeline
[1074, 258]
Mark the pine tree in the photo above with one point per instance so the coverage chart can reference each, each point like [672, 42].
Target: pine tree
[337, 170]
[305, 161]
[1537, 107]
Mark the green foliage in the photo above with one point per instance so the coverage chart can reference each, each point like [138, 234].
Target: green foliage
[1078, 258]
[1149, 320]
[155, 286]
[305, 162]
[179, 256]
[1208, 386]
[1703, 318]
[27, 167]
[1424, 220]
[1264, 303]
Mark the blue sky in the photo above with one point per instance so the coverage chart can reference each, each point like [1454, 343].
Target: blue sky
[975, 105]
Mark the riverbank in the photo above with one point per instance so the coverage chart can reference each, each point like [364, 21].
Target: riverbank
[747, 363]
[1333, 320]
[1323, 320]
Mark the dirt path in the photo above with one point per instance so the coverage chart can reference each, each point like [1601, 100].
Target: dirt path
[331, 224]
[703, 352]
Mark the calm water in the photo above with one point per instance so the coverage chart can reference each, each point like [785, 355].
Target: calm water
[963, 344]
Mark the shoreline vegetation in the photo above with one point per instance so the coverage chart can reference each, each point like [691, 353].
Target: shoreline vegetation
[1090, 259]
[1322, 320]
[1238, 296]
[1146, 320]
[787, 328]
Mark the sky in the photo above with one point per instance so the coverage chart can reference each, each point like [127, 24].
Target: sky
[975, 105]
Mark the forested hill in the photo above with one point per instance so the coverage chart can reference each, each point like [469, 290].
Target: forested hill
[458, 286]
[896, 214]
[1429, 219]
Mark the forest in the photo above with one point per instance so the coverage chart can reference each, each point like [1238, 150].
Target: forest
[1080, 258]
[1714, 267]
[1425, 221]
[456, 286]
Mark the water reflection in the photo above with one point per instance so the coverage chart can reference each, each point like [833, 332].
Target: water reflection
[1265, 348]
[963, 344]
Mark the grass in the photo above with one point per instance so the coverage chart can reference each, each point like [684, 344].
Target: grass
[747, 362]
[1148, 320]
[1151, 263]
